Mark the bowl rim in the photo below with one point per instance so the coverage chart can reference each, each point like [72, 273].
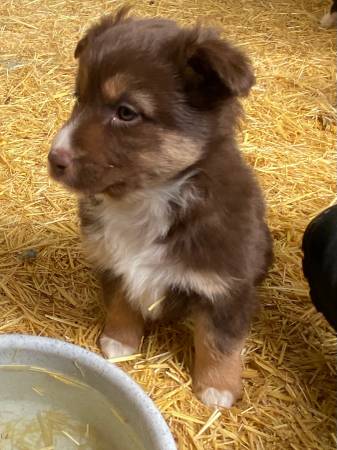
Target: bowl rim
[160, 432]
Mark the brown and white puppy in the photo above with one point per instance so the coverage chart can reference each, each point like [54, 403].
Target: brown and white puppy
[172, 217]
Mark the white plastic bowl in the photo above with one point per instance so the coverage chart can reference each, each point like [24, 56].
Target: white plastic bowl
[124, 395]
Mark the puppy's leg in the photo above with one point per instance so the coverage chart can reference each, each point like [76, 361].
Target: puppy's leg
[218, 340]
[124, 326]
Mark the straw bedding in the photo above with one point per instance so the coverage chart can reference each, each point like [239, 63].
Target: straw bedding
[289, 137]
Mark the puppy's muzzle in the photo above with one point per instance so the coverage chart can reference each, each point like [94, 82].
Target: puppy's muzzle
[60, 160]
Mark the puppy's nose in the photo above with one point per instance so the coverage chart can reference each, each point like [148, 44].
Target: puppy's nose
[59, 159]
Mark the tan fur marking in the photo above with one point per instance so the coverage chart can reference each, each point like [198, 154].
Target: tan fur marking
[123, 323]
[213, 369]
[180, 148]
[145, 101]
[115, 86]
[177, 152]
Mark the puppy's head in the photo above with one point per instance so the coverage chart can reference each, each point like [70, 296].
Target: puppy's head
[149, 96]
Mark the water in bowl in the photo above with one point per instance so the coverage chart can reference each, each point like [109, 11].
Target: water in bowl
[43, 410]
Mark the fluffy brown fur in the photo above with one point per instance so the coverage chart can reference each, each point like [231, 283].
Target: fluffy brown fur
[169, 209]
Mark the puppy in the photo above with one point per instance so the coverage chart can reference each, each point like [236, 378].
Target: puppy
[172, 218]
[329, 20]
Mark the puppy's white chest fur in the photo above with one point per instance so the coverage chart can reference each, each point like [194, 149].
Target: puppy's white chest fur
[127, 239]
[127, 242]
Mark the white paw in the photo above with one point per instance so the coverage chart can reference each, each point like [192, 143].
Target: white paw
[329, 20]
[215, 398]
[112, 348]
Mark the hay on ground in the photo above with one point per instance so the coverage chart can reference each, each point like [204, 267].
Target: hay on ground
[289, 137]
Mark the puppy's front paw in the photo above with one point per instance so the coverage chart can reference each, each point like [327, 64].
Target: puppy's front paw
[213, 397]
[111, 348]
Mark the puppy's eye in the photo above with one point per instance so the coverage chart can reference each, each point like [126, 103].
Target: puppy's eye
[126, 113]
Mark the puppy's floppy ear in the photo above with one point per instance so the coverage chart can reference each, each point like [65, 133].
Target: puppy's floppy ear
[212, 65]
[104, 24]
